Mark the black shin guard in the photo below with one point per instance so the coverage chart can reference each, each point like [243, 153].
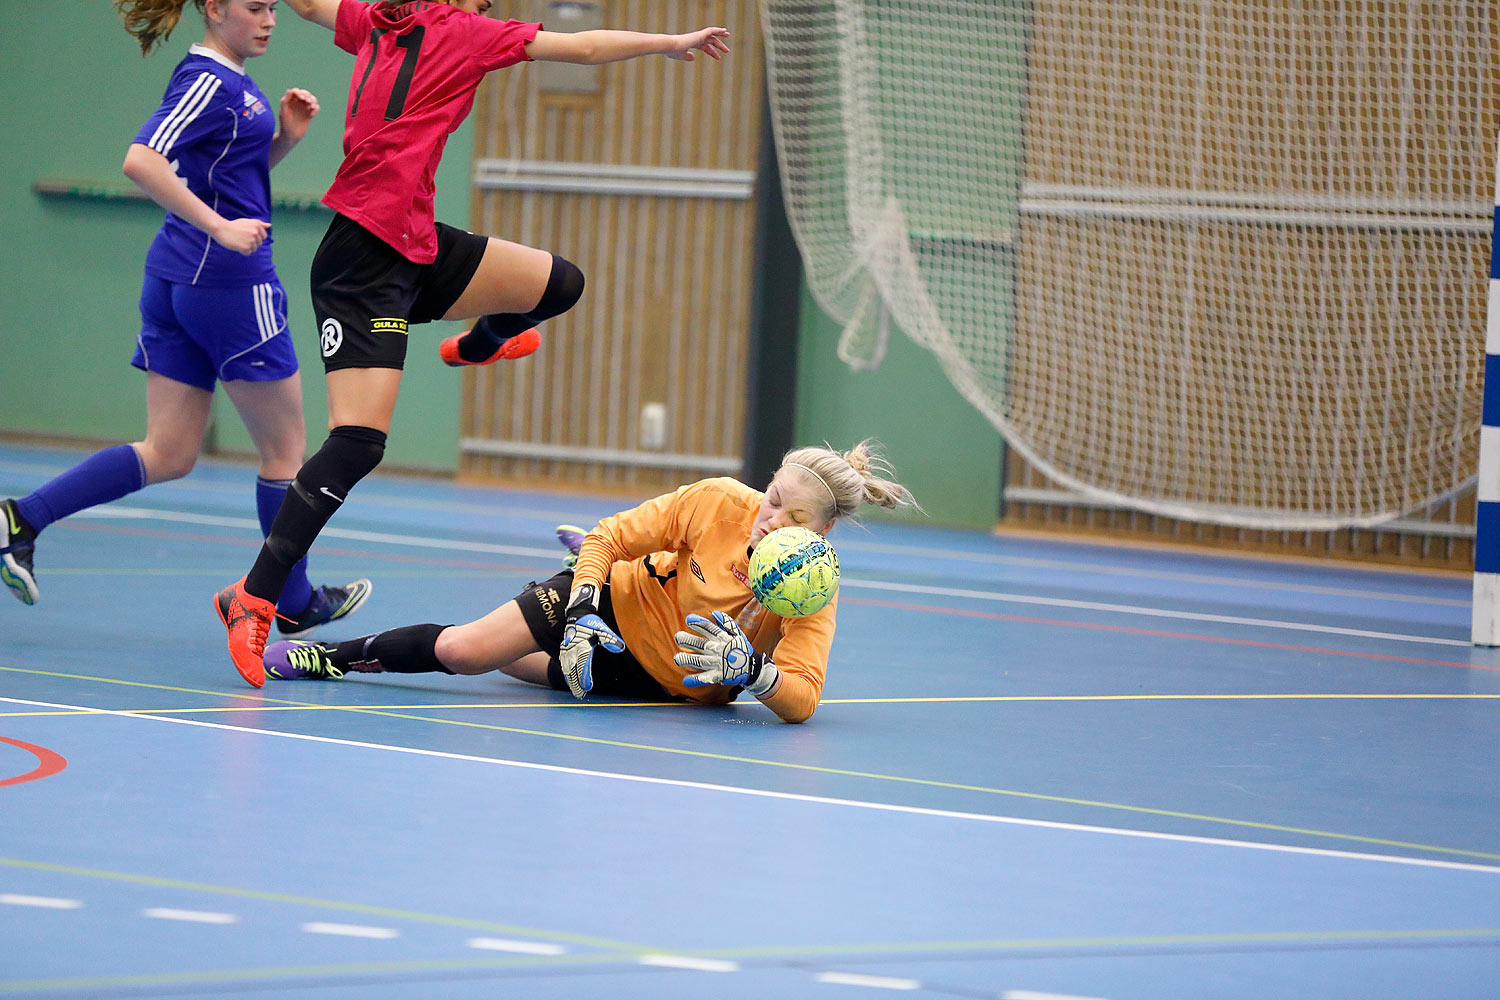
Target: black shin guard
[411, 649]
[349, 454]
[564, 289]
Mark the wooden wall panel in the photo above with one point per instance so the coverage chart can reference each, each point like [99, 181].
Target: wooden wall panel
[665, 316]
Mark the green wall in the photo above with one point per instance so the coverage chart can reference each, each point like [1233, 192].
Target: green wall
[942, 448]
[75, 90]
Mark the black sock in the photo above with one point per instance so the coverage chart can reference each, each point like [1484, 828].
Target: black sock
[564, 289]
[411, 649]
[349, 454]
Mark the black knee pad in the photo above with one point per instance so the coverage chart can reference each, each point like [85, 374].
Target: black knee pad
[564, 289]
[349, 455]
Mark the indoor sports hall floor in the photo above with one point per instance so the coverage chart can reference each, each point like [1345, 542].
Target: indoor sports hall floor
[1042, 768]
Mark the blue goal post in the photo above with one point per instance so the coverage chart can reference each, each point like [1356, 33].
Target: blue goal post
[1486, 615]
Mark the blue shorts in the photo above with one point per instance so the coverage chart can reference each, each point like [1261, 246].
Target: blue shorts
[200, 336]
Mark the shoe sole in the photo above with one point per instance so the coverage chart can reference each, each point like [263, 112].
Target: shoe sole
[524, 343]
[18, 581]
[348, 609]
[250, 678]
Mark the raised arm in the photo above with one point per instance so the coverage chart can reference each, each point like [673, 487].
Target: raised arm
[594, 47]
[323, 12]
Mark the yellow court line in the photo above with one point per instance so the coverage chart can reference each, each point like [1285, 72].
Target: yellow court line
[324, 904]
[869, 775]
[309, 707]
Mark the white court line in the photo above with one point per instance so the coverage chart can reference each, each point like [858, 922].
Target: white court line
[685, 962]
[918, 553]
[1034, 995]
[44, 902]
[1321, 852]
[116, 512]
[1130, 609]
[352, 930]
[520, 947]
[414, 541]
[874, 982]
[191, 916]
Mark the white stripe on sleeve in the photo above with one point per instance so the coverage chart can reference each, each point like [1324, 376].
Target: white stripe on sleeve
[188, 108]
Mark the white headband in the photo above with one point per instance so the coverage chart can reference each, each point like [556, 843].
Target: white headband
[819, 478]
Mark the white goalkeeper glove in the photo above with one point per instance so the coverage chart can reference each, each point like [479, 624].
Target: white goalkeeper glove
[584, 632]
[721, 654]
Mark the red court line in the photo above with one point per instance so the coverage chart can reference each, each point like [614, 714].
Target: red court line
[51, 763]
[1157, 633]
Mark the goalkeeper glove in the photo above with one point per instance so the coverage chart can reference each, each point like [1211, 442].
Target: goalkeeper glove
[584, 632]
[721, 654]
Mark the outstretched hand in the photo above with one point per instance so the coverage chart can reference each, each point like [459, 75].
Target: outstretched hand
[709, 40]
[720, 653]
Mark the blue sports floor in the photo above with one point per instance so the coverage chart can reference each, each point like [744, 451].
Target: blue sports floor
[1042, 769]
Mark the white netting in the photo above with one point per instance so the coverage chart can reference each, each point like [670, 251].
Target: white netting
[1221, 261]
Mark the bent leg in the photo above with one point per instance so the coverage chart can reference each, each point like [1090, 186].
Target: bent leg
[487, 340]
[176, 417]
[511, 278]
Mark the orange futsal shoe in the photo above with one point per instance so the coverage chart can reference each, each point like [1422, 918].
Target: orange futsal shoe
[510, 348]
[248, 619]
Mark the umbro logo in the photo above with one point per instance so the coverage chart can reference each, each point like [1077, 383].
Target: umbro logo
[697, 570]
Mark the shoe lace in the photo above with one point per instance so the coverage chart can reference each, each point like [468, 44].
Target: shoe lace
[312, 660]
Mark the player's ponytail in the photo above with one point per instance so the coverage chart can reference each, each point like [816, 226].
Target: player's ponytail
[852, 479]
[152, 21]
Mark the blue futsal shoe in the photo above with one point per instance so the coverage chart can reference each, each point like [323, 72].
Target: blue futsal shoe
[571, 537]
[16, 549]
[328, 604]
[296, 661]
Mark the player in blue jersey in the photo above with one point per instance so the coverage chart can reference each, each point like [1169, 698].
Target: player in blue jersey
[212, 309]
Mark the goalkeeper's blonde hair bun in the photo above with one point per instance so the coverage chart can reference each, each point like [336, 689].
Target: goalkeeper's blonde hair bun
[852, 479]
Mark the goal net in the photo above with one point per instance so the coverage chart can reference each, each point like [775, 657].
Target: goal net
[1223, 261]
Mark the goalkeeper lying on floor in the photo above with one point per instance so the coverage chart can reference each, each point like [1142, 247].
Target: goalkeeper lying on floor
[613, 624]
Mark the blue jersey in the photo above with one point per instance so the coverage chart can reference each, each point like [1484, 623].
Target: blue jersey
[215, 127]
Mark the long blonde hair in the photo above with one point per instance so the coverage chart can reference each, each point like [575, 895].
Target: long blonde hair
[850, 479]
[152, 21]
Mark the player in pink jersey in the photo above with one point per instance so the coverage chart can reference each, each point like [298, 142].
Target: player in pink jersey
[386, 263]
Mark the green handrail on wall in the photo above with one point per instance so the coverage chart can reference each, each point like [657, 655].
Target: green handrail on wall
[51, 187]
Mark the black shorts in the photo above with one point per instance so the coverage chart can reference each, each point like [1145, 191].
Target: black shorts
[365, 294]
[544, 606]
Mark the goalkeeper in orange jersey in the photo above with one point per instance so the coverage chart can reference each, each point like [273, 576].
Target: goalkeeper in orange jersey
[612, 623]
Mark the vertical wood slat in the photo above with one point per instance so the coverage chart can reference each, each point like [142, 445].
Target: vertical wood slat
[665, 316]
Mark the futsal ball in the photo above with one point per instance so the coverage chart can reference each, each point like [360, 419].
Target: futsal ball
[794, 572]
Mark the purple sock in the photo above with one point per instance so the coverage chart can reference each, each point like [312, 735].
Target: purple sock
[297, 593]
[103, 476]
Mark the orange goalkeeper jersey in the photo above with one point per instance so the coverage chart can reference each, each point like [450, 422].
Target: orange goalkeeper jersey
[688, 552]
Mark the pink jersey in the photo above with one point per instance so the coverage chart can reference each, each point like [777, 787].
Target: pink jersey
[416, 68]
